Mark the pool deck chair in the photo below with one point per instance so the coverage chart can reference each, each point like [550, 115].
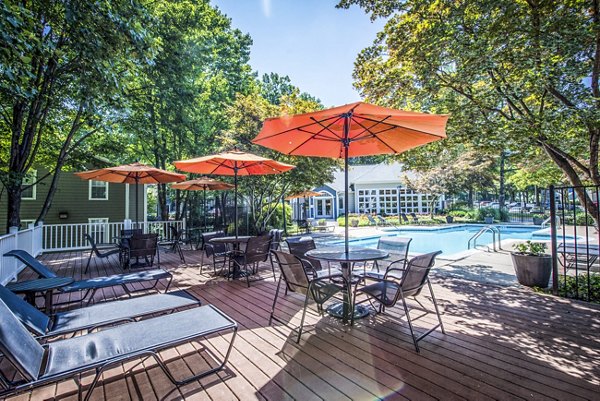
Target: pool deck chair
[95, 316]
[89, 286]
[38, 365]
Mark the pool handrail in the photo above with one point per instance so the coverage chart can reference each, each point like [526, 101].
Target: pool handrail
[489, 228]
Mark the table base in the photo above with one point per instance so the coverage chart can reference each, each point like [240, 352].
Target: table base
[337, 310]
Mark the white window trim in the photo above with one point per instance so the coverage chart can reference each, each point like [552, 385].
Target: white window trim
[90, 190]
[32, 173]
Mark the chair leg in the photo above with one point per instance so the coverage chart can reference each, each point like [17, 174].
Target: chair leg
[275, 301]
[410, 326]
[88, 261]
[303, 316]
[437, 311]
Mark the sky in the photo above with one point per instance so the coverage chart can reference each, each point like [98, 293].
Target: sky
[310, 41]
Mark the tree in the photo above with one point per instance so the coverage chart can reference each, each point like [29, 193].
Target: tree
[263, 193]
[61, 65]
[514, 74]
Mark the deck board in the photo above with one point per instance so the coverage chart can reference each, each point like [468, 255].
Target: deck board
[500, 343]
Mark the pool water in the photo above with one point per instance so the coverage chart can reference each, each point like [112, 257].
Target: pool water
[450, 240]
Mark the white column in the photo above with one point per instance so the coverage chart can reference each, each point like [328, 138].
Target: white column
[145, 204]
[127, 202]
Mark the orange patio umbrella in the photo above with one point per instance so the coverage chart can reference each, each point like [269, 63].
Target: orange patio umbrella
[134, 173]
[233, 163]
[202, 184]
[355, 129]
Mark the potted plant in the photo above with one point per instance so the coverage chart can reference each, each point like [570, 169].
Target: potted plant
[539, 219]
[532, 265]
[354, 223]
[449, 219]
[322, 222]
[488, 219]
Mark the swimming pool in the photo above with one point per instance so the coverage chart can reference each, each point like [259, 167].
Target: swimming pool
[453, 240]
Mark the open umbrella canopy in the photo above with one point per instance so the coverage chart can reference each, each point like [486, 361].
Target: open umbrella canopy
[355, 129]
[232, 163]
[202, 184]
[134, 173]
[305, 194]
[371, 130]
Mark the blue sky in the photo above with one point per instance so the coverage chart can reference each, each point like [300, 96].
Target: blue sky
[311, 41]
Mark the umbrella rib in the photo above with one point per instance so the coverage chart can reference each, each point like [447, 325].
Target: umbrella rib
[314, 135]
[400, 126]
[376, 136]
[295, 128]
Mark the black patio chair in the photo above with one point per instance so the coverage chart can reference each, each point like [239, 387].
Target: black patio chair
[301, 278]
[256, 252]
[37, 365]
[404, 218]
[107, 251]
[299, 246]
[219, 253]
[414, 217]
[276, 238]
[142, 246]
[398, 249]
[173, 244]
[397, 285]
[96, 316]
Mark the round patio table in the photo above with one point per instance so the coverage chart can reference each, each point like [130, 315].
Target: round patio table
[338, 254]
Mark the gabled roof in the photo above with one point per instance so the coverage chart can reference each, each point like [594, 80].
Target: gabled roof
[382, 174]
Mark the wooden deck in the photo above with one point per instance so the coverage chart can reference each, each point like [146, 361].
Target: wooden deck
[500, 343]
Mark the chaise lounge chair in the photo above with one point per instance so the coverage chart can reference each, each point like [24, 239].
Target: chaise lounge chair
[95, 316]
[382, 221]
[89, 286]
[38, 365]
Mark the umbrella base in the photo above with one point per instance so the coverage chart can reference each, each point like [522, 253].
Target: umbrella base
[337, 310]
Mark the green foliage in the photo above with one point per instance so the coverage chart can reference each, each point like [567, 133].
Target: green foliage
[458, 213]
[531, 248]
[581, 218]
[577, 287]
[276, 219]
[494, 66]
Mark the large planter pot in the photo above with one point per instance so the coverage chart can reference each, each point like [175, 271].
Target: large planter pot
[532, 271]
[538, 220]
[488, 220]
[354, 223]
[449, 219]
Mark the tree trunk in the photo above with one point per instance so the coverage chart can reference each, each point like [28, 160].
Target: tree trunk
[13, 193]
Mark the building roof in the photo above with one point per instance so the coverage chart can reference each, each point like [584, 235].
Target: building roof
[383, 174]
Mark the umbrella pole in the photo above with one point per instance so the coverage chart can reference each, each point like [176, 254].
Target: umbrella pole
[235, 212]
[136, 201]
[204, 208]
[346, 143]
[284, 222]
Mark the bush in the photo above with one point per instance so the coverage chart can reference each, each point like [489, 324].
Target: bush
[581, 218]
[458, 213]
[577, 287]
[276, 219]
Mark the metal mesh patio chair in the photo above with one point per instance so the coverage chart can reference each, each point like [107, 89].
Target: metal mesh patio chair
[219, 253]
[256, 252]
[398, 249]
[173, 244]
[372, 221]
[299, 246]
[107, 251]
[301, 278]
[143, 246]
[407, 282]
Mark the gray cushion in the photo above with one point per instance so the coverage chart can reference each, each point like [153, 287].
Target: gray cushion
[18, 345]
[152, 334]
[35, 320]
[106, 312]
[116, 279]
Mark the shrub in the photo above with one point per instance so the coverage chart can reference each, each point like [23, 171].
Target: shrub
[577, 287]
[458, 213]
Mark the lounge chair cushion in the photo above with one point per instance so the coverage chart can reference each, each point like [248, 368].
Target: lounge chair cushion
[102, 313]
[32, 262]
[167, 330]
[18, 345]
[116, 279]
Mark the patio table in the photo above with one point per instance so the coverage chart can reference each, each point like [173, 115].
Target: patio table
[337, 254]
[46, 286]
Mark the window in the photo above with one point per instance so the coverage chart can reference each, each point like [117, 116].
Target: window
[98, 229]
[28, 187]
[98, 190]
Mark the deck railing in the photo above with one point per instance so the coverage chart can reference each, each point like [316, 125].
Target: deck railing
[67, 237]
[29, 240]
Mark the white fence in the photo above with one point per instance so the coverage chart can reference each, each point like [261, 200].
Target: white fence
[29, 240]
[68, 237]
